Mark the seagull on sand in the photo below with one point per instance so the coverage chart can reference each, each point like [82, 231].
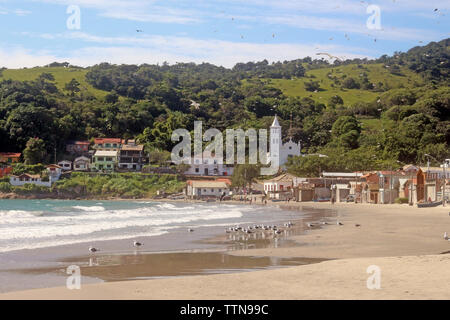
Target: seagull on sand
[92, 249]
[445, 236]
[137, 244]
[190, 230]
[339, 223]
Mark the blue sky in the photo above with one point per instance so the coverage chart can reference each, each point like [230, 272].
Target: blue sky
[35, 32]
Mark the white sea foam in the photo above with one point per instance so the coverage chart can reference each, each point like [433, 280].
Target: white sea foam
[20, 229]
[92, 208]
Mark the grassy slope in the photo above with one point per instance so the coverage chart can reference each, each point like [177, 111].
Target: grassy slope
[376, 73]
[62, 76]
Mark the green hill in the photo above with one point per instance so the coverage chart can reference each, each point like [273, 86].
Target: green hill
[62, 76]
[376, 73]
[387, 109]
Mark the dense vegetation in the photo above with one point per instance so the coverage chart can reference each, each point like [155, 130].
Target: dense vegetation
[108, 185]
[363, 114]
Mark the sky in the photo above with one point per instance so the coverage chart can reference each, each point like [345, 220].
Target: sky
[222, 32]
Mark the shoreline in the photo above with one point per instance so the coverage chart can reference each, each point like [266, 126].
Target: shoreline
[406, 242]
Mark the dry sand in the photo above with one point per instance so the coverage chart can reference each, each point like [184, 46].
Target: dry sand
[404, 242]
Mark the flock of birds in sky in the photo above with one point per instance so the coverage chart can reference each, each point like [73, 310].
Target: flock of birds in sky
[436, 11]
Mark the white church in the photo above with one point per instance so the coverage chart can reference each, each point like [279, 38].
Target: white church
[278, 149]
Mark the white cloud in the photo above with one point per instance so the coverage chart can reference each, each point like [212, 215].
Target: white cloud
[20, 12]
[157, 49]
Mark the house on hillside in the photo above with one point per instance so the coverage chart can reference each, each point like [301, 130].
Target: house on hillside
[81, 164]
[5, 171]
[108, 144]
[77, 147]
[104, 160]
[9, 157]
[132, 156]
[196, 189]
[66, 165]
[54, 171]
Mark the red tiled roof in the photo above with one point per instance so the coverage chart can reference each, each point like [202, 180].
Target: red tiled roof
[10, 154]
[107, 140]
[80, 142]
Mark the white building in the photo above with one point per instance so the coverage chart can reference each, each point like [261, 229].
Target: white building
[81, 164]
[54, 171]
[280, 152]
[209, 166]
[66, 165]
[277, 186]
[26, 178]
[207, 188]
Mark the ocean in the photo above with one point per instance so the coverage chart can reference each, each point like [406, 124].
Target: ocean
[32, 224]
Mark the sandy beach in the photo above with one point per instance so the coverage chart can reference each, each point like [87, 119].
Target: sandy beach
[406, 243]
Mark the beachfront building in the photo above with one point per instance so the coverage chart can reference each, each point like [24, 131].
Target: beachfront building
[10, 157]
[81, 164]
[132, 156]
[54, 171]
[280, 187]
[104, 160]
[278, 149]
[77, 147]
[381, 187]
[26, 178]
[196, 189]
[107, 144]
[66, 165]
[208, 165]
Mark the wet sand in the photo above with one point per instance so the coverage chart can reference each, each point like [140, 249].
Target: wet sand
[405, 242]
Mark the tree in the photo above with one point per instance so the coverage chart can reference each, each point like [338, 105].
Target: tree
[159, 157]
[244, 175]
[350, 83]
[312, 86]
[259, 106]
[26, 122]
[73, 86]
[34, 152]
[335, 100]
[346, 131]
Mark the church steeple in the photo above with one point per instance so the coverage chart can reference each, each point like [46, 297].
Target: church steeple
[275, 122]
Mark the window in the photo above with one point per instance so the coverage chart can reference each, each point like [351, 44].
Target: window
[197, 170]
[108, 159]
[220, 190]
[212, 190]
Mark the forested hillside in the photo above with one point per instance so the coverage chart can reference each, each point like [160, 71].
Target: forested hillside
[363, 114]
